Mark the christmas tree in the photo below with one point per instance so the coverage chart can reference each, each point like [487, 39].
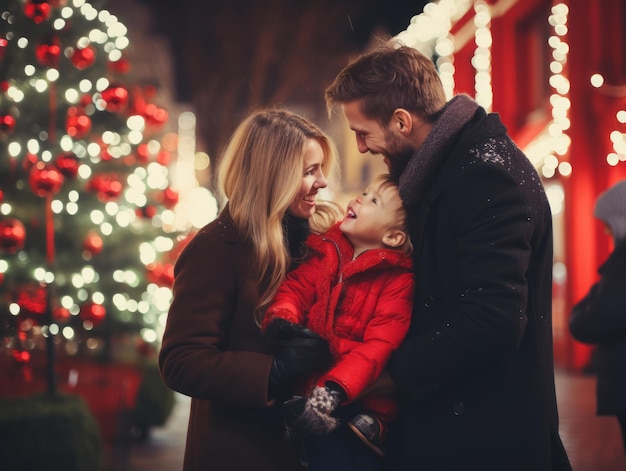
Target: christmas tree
[86, 207]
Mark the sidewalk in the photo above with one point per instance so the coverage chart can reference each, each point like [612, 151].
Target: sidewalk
[164, 449]
[593, 443]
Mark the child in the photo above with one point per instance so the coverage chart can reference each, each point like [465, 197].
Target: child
[355, 290]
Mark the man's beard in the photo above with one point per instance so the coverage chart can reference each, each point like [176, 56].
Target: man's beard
[398, 155]
[398, 162]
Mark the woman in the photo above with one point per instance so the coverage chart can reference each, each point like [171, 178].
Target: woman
[212, 347]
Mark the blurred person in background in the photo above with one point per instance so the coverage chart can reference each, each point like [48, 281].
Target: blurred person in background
[600, 317]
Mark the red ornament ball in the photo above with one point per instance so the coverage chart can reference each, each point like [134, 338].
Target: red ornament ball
[120, 66]
[77, 123]
[96, 182]
[93, 243]
[37, 11]
[67, 163]
[164, 157]
[29, 161]
[83, 58]
[106, 155]
[116, 98]
[3, 47]
[45, 179]
[7, 124]
[147, 212]
[110, 191]
[161, 274]
[21, 356]
[33, 300]
[60, 314]
[143, 153]
[12, 235]
[107, 186]
[85, 100]
[48, 54]
[170, 198]
[155, 116]
[92, 312]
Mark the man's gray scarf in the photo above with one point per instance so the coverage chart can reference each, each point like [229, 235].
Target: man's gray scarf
[454, 115]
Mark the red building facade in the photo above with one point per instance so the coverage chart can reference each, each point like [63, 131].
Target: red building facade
[558, 71]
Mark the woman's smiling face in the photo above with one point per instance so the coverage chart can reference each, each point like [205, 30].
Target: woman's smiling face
[313, 179]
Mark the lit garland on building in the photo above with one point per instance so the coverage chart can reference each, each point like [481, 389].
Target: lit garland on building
[429, 32]
[617, 138]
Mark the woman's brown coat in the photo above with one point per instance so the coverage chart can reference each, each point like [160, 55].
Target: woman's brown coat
[213, 351]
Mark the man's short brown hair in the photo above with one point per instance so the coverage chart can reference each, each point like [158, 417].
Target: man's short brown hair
[389, 77]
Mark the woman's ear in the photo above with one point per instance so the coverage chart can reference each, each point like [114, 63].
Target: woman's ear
[394, 238]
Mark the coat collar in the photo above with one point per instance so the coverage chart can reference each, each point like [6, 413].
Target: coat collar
[335, 242]
[423, 164]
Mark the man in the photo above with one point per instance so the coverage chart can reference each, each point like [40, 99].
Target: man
[476, 369]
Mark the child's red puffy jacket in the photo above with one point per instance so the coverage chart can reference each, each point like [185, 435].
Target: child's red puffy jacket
[362, 306]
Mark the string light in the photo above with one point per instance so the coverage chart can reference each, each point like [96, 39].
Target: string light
[617, 138]
[549, 149]
[481, 61]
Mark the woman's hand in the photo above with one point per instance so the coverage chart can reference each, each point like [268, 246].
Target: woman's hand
[300, 353]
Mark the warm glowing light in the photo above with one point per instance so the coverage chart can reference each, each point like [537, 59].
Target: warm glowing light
[597, 80]
[59, 24]
[68, 333]
[136, 123]
[52, 75]
[565, 169]
[555, 142]
[147, 253]
[612, 159]
[57, 207]
[430, 31]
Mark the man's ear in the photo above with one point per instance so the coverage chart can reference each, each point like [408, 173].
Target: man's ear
[394, 238]
[402, 120]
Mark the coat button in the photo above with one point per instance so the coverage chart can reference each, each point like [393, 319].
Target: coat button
[458, 408]
[429, 301]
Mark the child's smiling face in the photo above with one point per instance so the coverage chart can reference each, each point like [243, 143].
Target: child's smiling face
[370, 216]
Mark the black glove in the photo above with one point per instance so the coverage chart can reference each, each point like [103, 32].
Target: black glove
[300, 353]
[281, 330]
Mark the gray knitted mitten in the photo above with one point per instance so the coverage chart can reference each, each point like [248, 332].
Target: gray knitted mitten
[315, 418]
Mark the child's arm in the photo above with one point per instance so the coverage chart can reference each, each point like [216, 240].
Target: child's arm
[295, 295]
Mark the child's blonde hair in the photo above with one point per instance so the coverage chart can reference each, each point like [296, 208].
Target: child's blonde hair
[400, 220]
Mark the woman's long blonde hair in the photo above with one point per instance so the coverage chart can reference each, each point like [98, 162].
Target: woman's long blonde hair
[260, 175]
